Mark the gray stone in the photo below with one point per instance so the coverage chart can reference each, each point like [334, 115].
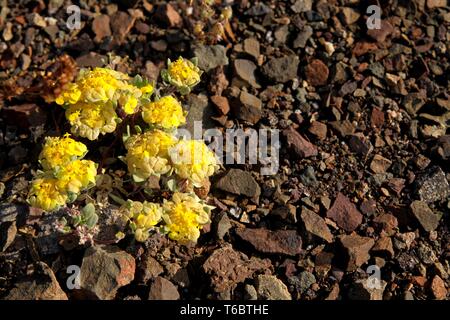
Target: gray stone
[210, 57]
[306, 280]
[432, 185]
[302, 37]
[281, 69]
[302, 6]
[427, 219]
[245, 70]
[239, 182]
[105, 269]
[271, 288]
[200, 111]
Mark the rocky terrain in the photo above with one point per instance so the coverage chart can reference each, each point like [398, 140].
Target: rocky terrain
[363, 179]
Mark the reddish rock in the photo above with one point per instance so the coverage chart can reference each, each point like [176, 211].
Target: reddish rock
[299, 145]
[386, 222]
[356, 250]
[345, 213]
[315, 225]
[377, 118]
[383, 247]
[381, 34]
[221, 103]
[105, 269]
[380, 164]
[431, 4]
[316, 73]
[227, 268]
[362, 48]
[163, 289]
[41, 285]
[318, 129]
[168, 15]
[149, 268]
[368, 207]
[101, 28]
[121, 24]
[286, 242]
[438, 288]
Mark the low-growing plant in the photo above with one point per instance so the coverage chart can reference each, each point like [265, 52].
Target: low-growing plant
[95, 103]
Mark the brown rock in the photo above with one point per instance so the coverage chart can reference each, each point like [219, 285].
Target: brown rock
[227, 268]
[121, 24]
[362, 48]
[368, 207]
[356, 249]
[380, 35]
[239, 182]
[105, 269]
[221, 103]
[438, 288]
[315, 225]
[426, 217]
[249, 108]
[317, 73]
[350, 15]
[149, 269]
[383, 247]
[41, 285]
[431, 4]
[360, 144]
[163, 289]
[344, 213]
[271, 288]
[245, 70]
[386, 222]
[318, 129]
[377, 118]
[380, 164]
[299, 145]
[251, 46]
[166, 14]
[101, 28]
[286, 242]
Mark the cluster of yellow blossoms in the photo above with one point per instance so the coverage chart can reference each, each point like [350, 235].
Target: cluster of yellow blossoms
[94, 104]
[182, 217]
[91, 101]
[65, 173]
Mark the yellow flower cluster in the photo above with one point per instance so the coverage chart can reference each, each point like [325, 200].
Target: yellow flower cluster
[92, 100]
[166, 113]
[182, 74]
[148, 154]
[65, 174]
[193, 160]
[184, 216]
[143, 217]
[155, 153]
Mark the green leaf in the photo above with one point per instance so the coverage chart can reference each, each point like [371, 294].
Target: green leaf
[117, 199]
[88, 211]
[137, 178]
[91, 221]
[172, 185]
[194, 60]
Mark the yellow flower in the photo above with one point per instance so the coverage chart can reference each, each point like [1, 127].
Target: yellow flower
[143, 217]
[91, 120]
[148, 154]
[60, 151]
[77, 176]
[46, 194]
[193, 160]
[184, 216]
[70, 95]
[183, 74]
[147, 89]
[166, 113]
[97, 85]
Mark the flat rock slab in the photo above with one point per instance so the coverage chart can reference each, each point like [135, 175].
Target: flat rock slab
[286, 242]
